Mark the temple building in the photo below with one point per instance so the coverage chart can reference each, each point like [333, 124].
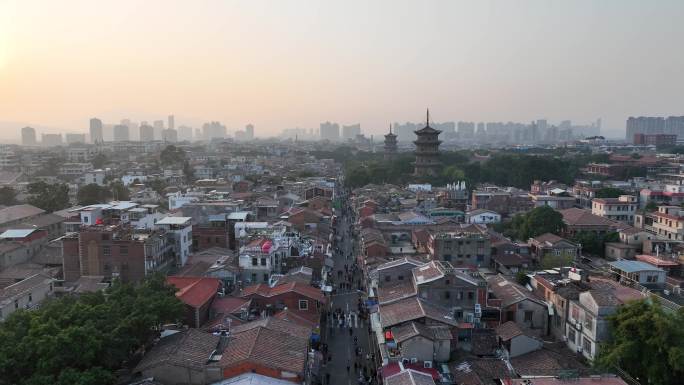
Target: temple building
[427, 150]
[390, 145]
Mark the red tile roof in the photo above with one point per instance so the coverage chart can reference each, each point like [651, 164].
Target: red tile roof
[195, 291]
[264, 290]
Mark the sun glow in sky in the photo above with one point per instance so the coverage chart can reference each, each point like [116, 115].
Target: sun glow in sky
[281, 64]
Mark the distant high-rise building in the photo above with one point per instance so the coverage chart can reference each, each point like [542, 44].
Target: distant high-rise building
[466, 130]
[28, 136]
[75, 138]
[390, 145]
[121, 133]
[213, 130]
[146, 133]
[350, 132]
[184, 133]
[96, 134]
[170, 135]
[249, 131]
[672, 125]
[427, 150]
[171, 122]
[330, 131]
[51, 140]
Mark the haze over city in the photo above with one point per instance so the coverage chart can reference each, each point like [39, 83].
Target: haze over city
[298, 63]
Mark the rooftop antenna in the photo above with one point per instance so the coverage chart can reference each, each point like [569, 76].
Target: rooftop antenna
[427, 122]
[390, 128]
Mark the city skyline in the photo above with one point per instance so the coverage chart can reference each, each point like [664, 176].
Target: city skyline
[366, 63]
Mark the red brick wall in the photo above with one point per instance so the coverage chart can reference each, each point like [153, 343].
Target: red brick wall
[247, 367]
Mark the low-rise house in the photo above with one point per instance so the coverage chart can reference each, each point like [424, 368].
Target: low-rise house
[25, 294]
[619, 250]
[587, 324]
[197, 293]
[638, 272]
[514, 341]
[409, 377]
[579, 220]
[483, 217]
[303, 299]
[634, 236]
[517, 304]
[415, 341]
[439, 283]
[550, 250]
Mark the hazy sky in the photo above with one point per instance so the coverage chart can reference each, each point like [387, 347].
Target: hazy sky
[284, 63]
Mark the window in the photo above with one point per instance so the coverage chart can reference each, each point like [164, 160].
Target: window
[575, 313]
[263, 261]
[255, 262]
[447, 257]
[471, 295]
[16, 304]
[447, 295]
[401, 277]
[265, 277]
[528, 315]
[446, 282]
[30, 297]
[217, 240]
[253, 277]
[303, 304]
[123, 250]
[388, 278]
[586, 345]
[106, 250]
[447, 245]
[105, 237]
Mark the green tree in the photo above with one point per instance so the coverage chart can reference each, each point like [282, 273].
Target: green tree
[99, 161]
[188, 171]
[49, 197]
[609, 192]
[118, 191]
[651, 206]
[172, 155]
[93, 193]
[7, 196]
[83, 340]
[158, 185]
[538, 221]
[647, 342]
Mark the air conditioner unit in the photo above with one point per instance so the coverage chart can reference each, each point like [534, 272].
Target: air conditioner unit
[579, 349]
[414, 360]
[565, 338]
[578, 325]
[405, 361]
[427, 364]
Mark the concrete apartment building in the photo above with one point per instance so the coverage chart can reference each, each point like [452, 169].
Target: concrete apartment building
[116, 251]
[467, 247]
[620, 209]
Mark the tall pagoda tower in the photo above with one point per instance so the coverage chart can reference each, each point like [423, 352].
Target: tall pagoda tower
[390, 144]
[427, 150]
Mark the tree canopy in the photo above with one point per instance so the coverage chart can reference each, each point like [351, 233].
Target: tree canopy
[83, 340]
[609, 192]
[647, 342]
[93, 193]
[49, 197]
[503, 168]
[537, 221]
[7, 196]
[172, 155]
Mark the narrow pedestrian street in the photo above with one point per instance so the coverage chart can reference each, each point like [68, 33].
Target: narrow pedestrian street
[346, 332]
